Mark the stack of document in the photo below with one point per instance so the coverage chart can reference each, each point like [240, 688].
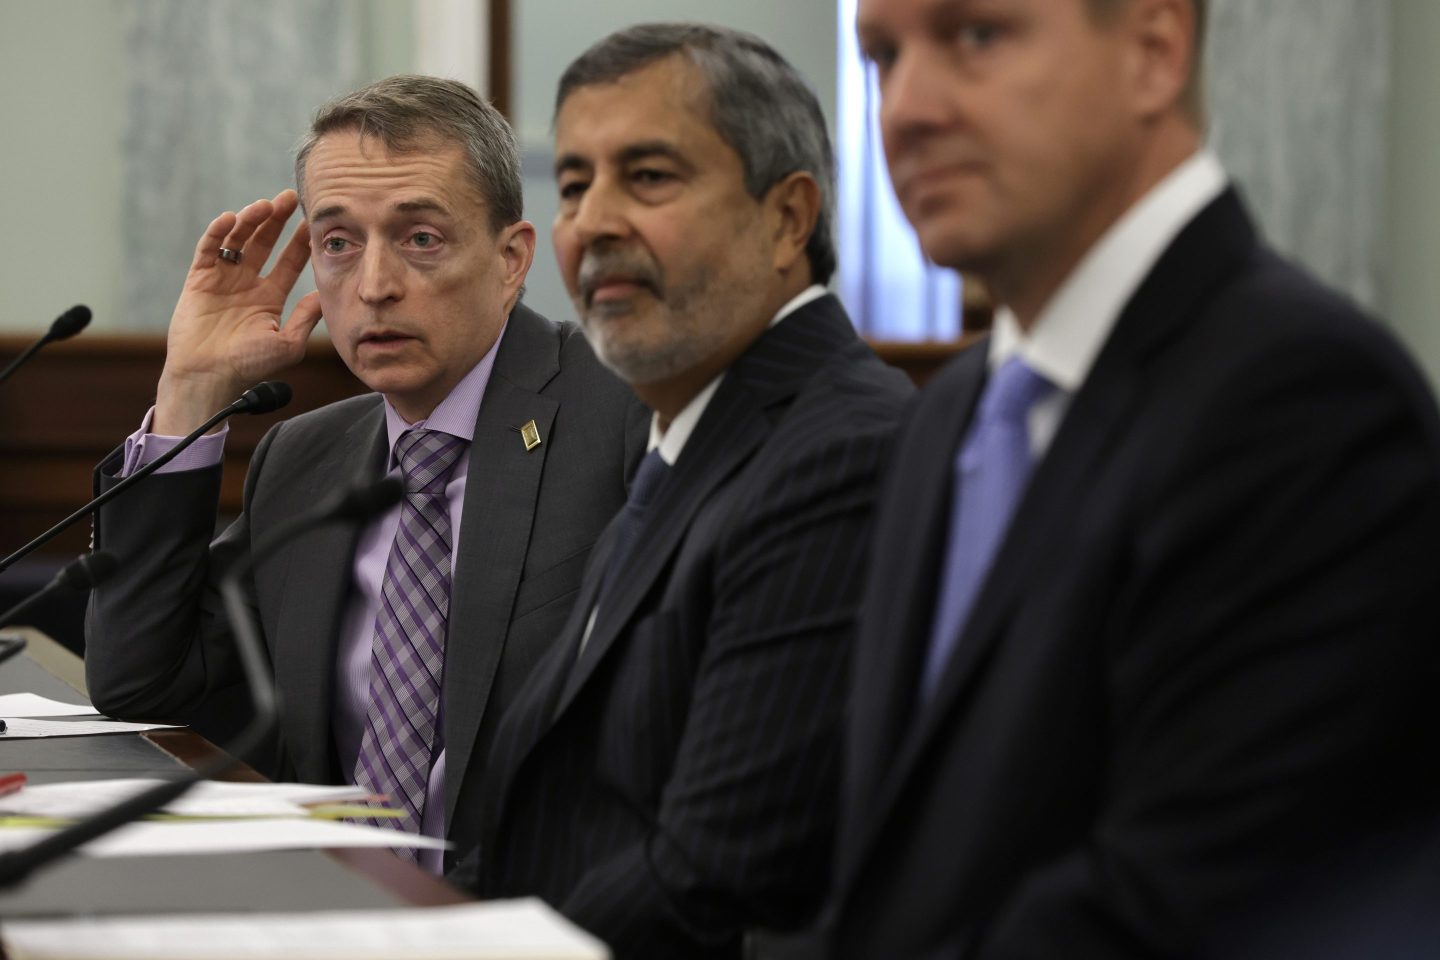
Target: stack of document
[29, 716]
[210, 798]
[499, 930]
[213, 817]
[34, 705]
[191, 837]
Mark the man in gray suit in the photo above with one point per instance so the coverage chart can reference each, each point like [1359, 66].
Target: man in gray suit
[397, 645]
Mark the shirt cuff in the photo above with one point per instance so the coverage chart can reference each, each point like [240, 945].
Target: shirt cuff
[143, 447]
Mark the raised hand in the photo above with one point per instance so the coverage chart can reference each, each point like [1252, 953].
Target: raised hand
[225, 333]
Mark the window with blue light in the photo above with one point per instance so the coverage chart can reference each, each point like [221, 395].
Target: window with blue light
[890, 289]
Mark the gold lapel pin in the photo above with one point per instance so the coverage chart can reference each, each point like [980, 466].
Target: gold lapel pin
[531, 435]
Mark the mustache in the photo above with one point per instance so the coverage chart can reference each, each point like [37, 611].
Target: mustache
[596, 266]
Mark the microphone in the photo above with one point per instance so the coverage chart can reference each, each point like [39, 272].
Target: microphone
[261, 398]
[353, 506]
[66, 325]
[81, 573]
[265, 397]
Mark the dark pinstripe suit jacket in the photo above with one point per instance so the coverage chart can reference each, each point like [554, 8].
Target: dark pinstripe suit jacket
[676, 784]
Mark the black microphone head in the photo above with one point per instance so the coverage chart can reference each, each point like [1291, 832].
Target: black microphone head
[69, 323]
[264, 397]
[85, 571]
[363, 502]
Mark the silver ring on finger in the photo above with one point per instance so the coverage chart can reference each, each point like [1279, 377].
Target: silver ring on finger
[230, 256]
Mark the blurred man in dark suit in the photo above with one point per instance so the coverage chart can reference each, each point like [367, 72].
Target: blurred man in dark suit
[1153, 609]
[668, 778]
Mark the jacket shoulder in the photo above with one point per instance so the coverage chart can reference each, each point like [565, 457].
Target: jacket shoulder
[324, 425]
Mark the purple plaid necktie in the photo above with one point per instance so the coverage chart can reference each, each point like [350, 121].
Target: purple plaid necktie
[407, 657]
[990, 474]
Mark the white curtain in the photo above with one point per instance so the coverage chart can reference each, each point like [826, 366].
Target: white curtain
[1300, 93]
[217, 94]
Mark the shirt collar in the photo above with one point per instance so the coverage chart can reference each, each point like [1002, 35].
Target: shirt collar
[809, 295]
[455, 414]
[1074, 325]
[670, 442]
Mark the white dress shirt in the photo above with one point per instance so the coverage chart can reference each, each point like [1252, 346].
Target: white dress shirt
[1072, 327]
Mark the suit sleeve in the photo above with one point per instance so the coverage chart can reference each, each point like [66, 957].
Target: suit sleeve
[1272, 665]
[744, 826]
[157, 643]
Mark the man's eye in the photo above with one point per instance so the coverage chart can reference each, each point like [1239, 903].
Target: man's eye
[424, 240]
[650, 177]
[335, 244]
[881, 56]
[571, 189]
[979, 36]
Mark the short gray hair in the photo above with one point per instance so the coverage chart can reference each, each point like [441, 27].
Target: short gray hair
[405, 111]
[759, 105]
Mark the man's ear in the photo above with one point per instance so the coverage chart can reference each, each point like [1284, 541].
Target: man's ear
[792, 208]
[517, 252]
[1164, 35]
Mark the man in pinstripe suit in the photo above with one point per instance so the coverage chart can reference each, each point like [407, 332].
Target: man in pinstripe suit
[668, 777]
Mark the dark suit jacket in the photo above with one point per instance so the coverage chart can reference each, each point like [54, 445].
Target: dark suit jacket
[1207, 647]
[676, 783]
[157, 640]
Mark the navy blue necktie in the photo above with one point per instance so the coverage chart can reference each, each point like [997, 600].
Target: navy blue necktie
[991, 471]
[648, 478]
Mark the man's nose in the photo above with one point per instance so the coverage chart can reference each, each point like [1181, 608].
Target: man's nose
[381, 274]
[601, 213]
[915, 99]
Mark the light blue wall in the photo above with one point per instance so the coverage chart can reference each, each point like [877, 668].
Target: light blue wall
[1412, 301]
[1298, 91]
[128, 124]
[61, 185]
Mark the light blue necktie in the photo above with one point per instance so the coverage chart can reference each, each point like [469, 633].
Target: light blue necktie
[990, 474]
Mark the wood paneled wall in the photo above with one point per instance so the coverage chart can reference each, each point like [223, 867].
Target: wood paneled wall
[75, 401]
[67, 408]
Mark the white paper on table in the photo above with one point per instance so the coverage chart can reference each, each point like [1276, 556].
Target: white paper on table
[79, 798]
[306, 793]
[165, 837]
[27, 729]
[34, 705]
[497, 930]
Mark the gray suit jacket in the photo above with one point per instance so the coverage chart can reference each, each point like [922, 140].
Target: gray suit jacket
[157, 641]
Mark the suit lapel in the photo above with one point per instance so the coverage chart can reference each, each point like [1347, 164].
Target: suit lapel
[885, 701]
[501, 488]
[532, 710]
[727, 434]
[308, 623]
[735, 423]
[1187, 276]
